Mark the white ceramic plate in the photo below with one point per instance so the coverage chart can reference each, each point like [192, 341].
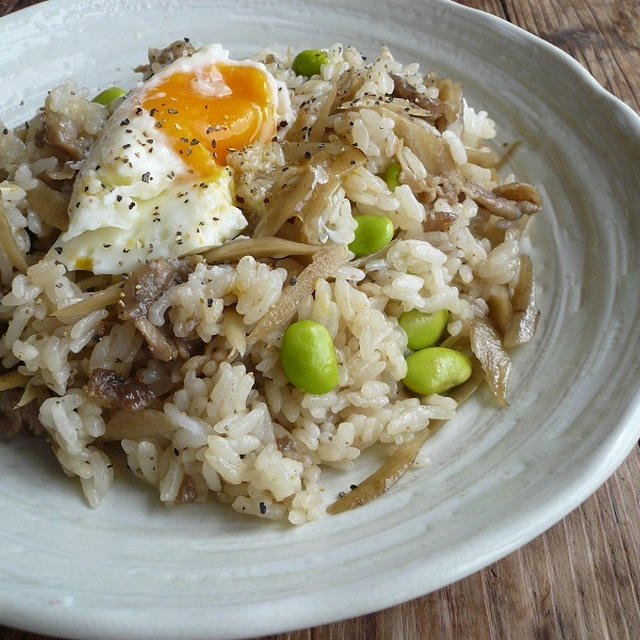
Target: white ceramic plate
[496, 479]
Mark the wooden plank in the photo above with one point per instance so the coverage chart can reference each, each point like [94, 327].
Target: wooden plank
[602, 35]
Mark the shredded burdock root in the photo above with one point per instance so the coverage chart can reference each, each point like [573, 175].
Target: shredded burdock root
[12, 380]
[324, 264]
[136, 425]
[9, 244]
[402, 459]
[93, 302]
[269, 247]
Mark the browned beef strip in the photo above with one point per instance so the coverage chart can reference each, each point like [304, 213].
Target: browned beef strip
[402, 88]
[142, 289]
[15, 420]
[159, 58]
[114, 392]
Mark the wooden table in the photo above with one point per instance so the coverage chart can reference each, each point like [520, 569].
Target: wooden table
[580, 579]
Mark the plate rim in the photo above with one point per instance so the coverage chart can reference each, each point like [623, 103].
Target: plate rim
[586, 482]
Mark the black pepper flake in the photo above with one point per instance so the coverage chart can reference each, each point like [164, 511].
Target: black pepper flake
[131, 205]
[5, 131]
[353, 486]
[86, 189]
[158, 125]
[194, 141]
[59, 285]
[58, 250]
[106, 245]
[178, 233]
[77, 205]
[266, 200]
[209, 302]
[125, 122]
[180, 241]
[172, 111]
[126, 250]
[126, 146]
[176, 452]
[138, 111]
[213, 144]
[128, 130]
[292, 281]
[352, 161]
[146, 177]
[263, 508]
[307, 154]
[215, 219]
[209, 130]
[119, 198]
[150, 140]
[239, 199]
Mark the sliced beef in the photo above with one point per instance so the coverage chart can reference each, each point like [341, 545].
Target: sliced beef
[15, 420]
[142, 289]
[442, 111]
[115, 392]
[159, 58]
[402, 88]
[509, 201]
[439, 220]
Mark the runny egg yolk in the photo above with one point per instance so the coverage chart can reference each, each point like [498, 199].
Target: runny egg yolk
[207, 113]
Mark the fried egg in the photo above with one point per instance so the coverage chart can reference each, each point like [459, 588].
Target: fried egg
[156, 182]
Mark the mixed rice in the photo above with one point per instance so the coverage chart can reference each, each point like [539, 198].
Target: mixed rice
[189, 382]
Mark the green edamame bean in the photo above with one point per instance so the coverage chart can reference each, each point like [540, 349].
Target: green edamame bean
[309, 62]
[108, 95]
[372, 233]
[309, 358]
[435, 370]
[391, 175]
[423, 329]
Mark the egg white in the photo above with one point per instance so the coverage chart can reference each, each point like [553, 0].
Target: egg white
[135, 198]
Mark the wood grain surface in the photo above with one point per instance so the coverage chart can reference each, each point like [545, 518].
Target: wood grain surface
[580, 579]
